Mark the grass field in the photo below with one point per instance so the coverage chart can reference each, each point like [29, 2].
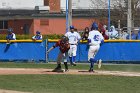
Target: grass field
[71, 83]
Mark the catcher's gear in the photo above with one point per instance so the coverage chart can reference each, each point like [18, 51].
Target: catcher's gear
[94, 26]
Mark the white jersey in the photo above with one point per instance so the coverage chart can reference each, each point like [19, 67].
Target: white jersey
[73, 37]
[95, 37]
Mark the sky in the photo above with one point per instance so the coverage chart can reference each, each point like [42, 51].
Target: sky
[89, 4]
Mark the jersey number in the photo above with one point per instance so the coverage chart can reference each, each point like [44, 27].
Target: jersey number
[96, 38]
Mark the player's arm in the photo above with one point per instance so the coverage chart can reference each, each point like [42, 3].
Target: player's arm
[41, 37]
[79, 37]
[102, 39]
[33, 38]
[50, 49]
[88, 42]
[90, 37]
[54, 46]
[66, 34]
[14, 37]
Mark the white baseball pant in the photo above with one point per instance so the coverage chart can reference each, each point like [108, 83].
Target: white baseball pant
[92, 51]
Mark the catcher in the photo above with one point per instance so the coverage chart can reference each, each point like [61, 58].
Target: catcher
[64, 46]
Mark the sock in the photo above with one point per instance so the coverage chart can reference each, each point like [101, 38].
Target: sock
[70, 59]
[92, 61]
[66, 66]
[73, 59]
[59, 65]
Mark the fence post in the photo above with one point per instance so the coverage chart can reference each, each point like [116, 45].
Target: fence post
[46, 45]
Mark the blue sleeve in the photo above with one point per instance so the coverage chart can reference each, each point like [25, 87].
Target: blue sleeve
[102, 41]
[89, 41]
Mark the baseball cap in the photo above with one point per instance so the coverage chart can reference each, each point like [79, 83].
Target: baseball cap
[37, 32]
[71, 27]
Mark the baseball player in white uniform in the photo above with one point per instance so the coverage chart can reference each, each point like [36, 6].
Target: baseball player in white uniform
[95, 39]
[74, 38]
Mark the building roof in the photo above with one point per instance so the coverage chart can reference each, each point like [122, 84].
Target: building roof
[30, 14]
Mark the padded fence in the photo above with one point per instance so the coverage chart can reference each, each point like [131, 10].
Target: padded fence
[23, 50]
[111, 51]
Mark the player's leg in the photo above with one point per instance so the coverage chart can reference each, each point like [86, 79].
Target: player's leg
[70, 54]
[65, 55]
[74, 49]
[59, 58]
[99, 62]
[91, 55]
[91, 59]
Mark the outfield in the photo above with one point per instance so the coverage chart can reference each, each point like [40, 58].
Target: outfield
[67, 83]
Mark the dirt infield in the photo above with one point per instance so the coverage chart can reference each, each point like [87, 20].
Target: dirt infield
[11, 91]
[12, 71]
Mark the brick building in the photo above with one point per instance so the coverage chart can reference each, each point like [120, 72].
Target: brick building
[45, 16]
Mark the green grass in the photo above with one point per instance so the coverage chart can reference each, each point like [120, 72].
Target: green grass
[70, 83]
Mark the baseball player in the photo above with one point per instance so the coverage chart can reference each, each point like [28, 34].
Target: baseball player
[38, 36]
[10, 36]
[95, 38]
[64, 46]
[74, 38]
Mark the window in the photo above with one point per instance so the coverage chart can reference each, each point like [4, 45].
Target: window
[4, 24]
[46, 2]
[44, 22]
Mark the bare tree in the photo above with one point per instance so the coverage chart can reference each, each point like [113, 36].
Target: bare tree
[118, 9]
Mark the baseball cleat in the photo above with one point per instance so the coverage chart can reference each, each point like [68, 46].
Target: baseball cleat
[73, 64]
[90, 70]
[66, 70]
[57, 69]
[99, 64]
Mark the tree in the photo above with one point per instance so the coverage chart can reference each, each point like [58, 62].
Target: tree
[135, 11]
[119, 9]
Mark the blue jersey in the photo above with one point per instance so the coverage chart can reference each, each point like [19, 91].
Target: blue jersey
[11, 36]
[37, 37]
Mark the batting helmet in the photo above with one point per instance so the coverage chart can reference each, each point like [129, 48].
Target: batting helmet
[10, 30]
[71, 27]
[94, 26]
[37, 32]
[64, 39]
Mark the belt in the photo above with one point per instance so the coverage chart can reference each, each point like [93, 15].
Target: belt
[72, 44]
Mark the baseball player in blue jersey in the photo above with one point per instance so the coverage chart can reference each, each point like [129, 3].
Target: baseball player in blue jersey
[38, 36]
[10, 36]
[74, 38]
[95, 39]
